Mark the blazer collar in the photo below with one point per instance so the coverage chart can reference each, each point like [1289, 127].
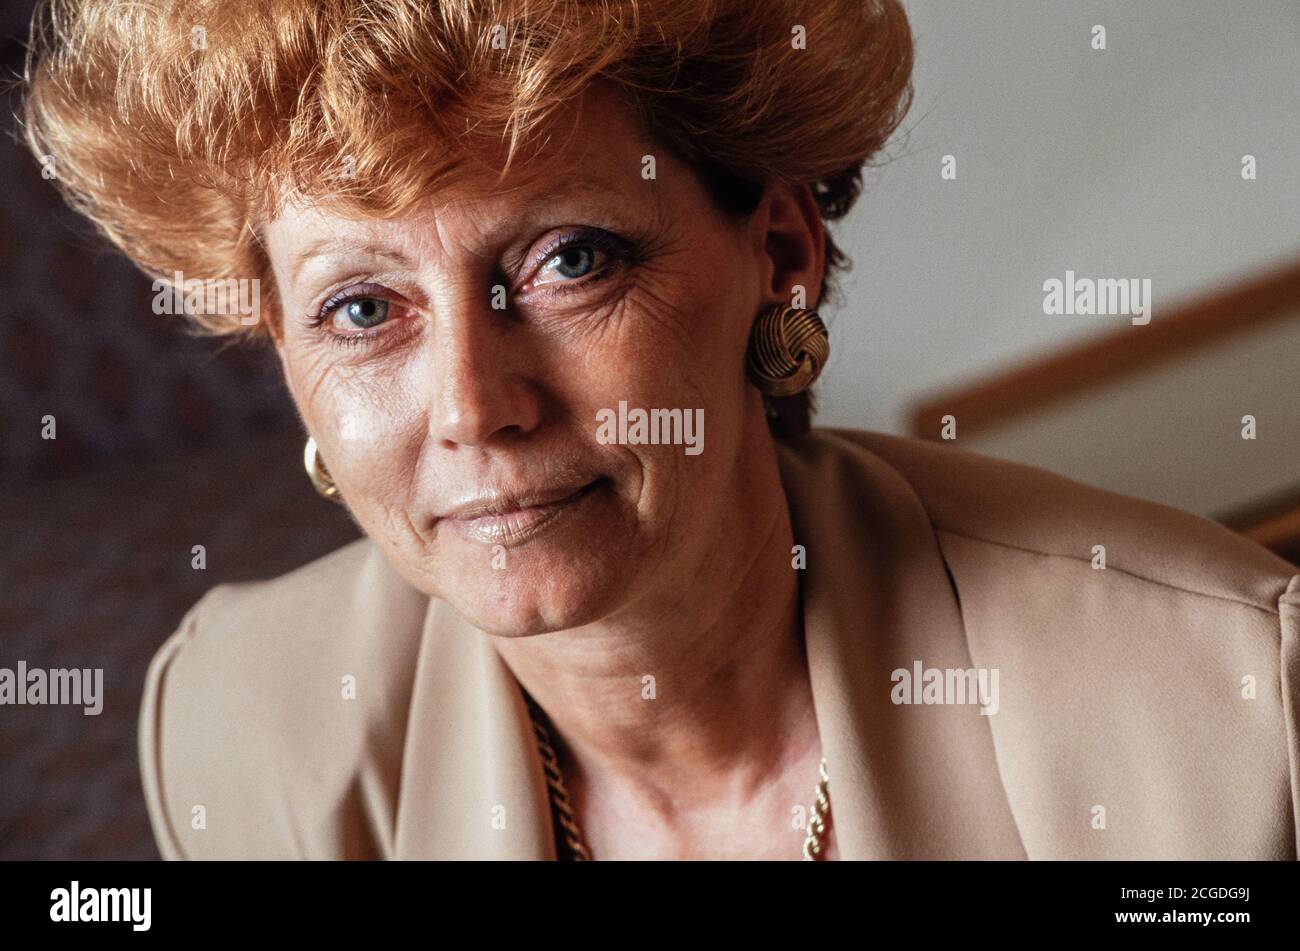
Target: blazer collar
[905, 781]
[472, 784]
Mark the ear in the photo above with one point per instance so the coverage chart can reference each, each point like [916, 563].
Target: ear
[790, 241]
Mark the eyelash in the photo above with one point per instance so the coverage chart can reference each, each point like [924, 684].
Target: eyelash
[616, 250]
[342, 298]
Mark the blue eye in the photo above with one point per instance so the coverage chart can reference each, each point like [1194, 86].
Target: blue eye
[575, 261]
[353, 315]
[360, 313]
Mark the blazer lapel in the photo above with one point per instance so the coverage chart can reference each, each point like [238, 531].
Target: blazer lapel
[472, 783]
[906, 781]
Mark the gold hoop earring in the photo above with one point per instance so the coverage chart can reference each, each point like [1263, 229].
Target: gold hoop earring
[787, 349]
[320, 476]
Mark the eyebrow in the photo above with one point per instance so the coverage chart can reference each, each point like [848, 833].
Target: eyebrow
[326, 245]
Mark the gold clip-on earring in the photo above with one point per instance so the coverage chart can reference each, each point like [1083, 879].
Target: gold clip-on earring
[787, 349]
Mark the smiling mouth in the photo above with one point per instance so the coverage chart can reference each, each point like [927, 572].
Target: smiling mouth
[513, 522]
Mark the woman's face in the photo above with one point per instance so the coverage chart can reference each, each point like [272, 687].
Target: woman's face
[455, 367]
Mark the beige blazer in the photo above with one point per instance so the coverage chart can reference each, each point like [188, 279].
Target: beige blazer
[1144, 710]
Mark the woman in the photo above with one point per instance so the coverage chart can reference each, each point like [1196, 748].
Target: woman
[518, 259]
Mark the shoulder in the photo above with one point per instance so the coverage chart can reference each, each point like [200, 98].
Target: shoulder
[989, 503]
[263, 705]
[1150, 659]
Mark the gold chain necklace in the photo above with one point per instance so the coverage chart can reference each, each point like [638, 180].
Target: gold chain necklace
[567, 824]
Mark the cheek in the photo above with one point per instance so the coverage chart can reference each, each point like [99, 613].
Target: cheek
[676, 341]
[675, 336]
[368, 424]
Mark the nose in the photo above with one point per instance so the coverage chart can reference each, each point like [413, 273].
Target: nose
[481, 392]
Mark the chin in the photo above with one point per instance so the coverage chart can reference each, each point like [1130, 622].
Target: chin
[574, 572]
[525, 610]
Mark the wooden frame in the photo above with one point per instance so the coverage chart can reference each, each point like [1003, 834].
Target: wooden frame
[1001, 397]
[1004, 395]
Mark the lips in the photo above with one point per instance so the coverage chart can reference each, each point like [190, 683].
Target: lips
[514, 518]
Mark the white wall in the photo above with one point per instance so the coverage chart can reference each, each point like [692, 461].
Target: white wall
[1122, 163]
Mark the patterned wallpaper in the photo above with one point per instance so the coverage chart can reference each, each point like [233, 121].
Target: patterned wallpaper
[81, 343]
[163, 441]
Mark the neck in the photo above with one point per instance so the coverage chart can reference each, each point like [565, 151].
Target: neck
[696, 695]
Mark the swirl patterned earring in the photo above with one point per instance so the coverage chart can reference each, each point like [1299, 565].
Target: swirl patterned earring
[316, 471]
[787, 349]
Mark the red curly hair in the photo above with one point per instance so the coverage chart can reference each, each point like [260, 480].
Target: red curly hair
[177, 127]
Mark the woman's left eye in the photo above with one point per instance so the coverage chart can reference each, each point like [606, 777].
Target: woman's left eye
[578, 258]
[574, 261]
